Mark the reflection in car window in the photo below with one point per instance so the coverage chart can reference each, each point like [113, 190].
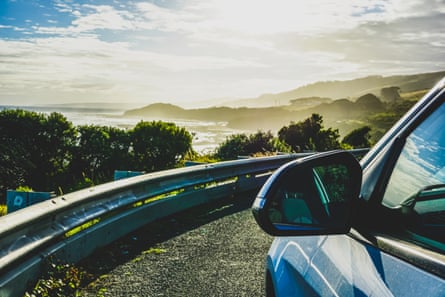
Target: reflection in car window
[421, 162]
[417, 183]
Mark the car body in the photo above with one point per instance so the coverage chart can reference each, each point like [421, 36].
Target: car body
[374, 228]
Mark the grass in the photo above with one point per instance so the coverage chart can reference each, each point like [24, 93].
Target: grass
[61, 279]
[155, 251]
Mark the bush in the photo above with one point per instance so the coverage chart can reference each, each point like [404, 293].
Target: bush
[260, 143]
[48, 153]
[159, 145]
[358, 138]
[309, 135]
[60, 279]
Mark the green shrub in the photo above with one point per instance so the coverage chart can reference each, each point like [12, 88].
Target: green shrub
[61, 279]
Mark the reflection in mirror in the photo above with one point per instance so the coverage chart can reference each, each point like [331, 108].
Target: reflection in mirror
[315, 196]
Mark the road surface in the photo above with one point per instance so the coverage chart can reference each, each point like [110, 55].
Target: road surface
[215, 250]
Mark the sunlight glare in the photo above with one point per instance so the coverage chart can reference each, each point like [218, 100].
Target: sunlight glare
[269, 17]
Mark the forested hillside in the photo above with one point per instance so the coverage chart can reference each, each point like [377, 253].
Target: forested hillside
[378, 111]
[351, 89]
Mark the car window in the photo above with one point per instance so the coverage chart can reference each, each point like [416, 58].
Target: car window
[417, 183]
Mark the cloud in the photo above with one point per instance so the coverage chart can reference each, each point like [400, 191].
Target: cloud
[406, 43]
[395, 43]
[87, 19]
[202, 49]
[62, 7]
[103, 17]
[66, 66]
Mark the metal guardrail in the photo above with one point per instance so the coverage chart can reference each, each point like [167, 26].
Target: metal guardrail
[72, 226]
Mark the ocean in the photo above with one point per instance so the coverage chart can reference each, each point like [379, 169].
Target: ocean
[206, 135]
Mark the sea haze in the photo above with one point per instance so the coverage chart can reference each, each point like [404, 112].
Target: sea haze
[206, 135]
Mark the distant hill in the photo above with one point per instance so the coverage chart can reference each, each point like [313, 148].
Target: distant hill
[344, 89]
[307, 102]
[213, 114]
[91, 105]
[267, 118]
[351, 111]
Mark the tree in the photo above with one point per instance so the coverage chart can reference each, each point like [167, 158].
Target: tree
[159, 145]
[260, 143]
[55, 143]
[100, 151]
[370, 103]
[46, 152]
[232, 147]
[359, 138]
[35, 149]
[309, 135]
[390, 94]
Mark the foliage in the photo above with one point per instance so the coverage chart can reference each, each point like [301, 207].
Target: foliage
[60, 280]
[99, 152]
[260, 143]
[200, 158]
[358, 138]
[24, 189]
[369, 103]
[3, 210]
[390, 94]
[414, 96]
[309, 135]
[401, 107]
[16, 146]
[232, 147]
[48, 153]
[158, 145]
[58, 137]
[78, 184]
[35, 149]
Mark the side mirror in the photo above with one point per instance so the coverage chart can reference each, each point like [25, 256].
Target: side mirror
[310, 196]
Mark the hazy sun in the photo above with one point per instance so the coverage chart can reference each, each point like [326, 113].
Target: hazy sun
[265, 16]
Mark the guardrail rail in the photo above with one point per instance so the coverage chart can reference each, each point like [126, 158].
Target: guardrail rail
[72, 226]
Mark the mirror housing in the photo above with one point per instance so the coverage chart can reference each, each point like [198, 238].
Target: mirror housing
[315, 195]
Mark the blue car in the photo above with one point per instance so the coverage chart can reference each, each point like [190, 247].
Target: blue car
[374, 228]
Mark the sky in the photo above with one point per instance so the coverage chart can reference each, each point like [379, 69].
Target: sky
[188, 52]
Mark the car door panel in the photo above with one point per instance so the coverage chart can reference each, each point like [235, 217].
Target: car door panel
[343, 266]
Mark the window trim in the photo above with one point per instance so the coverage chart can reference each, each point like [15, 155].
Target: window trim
[422, 257]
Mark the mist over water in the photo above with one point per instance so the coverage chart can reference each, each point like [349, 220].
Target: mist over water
[206, 135]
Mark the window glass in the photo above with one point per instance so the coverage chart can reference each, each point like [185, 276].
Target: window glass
[417, 183]
[422, 161]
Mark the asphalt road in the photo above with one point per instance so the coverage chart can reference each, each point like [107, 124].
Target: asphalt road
[215, 250]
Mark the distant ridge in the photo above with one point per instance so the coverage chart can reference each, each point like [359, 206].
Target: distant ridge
[346, 113]
[351, 89]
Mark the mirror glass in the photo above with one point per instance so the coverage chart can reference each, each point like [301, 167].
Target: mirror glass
[312, 196]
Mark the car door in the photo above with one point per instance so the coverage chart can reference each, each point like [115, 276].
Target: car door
[398, 247]
[409, 218]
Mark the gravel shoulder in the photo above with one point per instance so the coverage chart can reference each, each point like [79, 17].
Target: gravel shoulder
[212, 250]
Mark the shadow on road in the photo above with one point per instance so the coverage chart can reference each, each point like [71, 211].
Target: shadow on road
[130, 246]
